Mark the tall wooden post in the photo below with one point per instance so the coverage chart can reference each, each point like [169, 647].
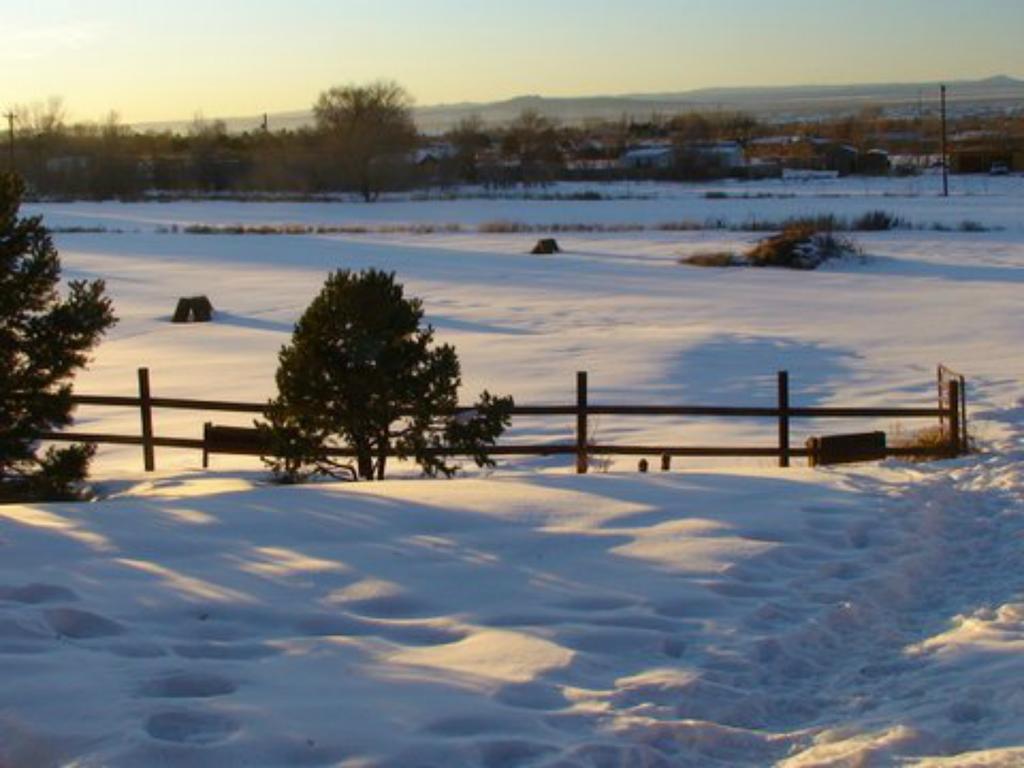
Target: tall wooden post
[955, 439]
[581, 423]
[784, 454]
[146, 409]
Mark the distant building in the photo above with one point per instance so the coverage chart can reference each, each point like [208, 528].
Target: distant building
[982, 160]
[433, 154]
[833, 156]
[773, 144]
[875, 162]
[727, 155]
[68, 164]
[764, 168]
[657, 157]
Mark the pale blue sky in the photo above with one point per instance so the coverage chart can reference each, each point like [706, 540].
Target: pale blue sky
[155, 59]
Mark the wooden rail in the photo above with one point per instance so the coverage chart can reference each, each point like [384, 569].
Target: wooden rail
[582, 448]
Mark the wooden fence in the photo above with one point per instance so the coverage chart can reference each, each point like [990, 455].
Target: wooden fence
[950, 414]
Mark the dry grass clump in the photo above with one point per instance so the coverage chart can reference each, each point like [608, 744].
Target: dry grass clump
[877, 221]
[931, 442]
[503, 227]
[713, 259]
[801, 245]
[308, 229]
[685, 225]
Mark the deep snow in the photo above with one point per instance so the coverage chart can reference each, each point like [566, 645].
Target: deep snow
[723, 614]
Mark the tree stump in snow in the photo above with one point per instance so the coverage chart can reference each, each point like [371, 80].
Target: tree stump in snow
[195, 309]
[546, 247]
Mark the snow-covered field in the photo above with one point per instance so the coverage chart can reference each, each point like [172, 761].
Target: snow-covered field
[727, 613]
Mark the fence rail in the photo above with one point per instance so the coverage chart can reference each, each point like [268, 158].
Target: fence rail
[950, 413]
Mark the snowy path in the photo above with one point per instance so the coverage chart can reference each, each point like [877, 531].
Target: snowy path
[943, 620]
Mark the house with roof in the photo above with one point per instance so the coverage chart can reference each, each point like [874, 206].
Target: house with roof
[660, 157]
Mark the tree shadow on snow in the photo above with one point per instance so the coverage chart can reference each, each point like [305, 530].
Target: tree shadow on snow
[741, 370]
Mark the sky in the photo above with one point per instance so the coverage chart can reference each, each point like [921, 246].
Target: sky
[162, 59]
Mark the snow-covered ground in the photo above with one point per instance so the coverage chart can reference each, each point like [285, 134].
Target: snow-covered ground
[990, 201]
[727, 613]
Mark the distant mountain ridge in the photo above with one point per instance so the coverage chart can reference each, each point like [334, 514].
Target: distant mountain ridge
[768, 102]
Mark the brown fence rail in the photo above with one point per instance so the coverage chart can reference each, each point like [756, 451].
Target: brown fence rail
[950, 413]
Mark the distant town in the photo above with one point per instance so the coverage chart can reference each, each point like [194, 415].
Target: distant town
[111, 160]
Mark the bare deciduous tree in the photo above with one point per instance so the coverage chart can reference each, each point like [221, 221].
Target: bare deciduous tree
[532, 139]
[469, 137]
[368, 125]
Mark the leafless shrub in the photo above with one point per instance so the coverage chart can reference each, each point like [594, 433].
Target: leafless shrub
[713, 259]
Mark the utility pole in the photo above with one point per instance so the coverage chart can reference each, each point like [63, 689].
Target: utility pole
[10, 127]
[945, 154]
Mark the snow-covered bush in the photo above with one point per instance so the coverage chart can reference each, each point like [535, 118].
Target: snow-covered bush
[801, 246]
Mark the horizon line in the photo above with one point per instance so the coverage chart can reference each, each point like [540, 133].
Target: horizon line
[638, 95]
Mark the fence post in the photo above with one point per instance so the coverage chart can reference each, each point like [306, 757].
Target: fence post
[146, 408]
[581, 423]
[964, 438]
[955, 445]
[784, 454]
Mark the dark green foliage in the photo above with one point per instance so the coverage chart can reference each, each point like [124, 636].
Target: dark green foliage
[362, 373]
[44, 340]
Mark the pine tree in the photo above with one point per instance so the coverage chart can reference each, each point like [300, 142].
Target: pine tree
[44, 340]
[362, 373]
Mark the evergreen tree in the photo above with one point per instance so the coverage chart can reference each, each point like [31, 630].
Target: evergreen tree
[44, 340]
[362, 373]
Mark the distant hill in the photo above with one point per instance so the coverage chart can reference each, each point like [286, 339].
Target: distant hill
[777, 102]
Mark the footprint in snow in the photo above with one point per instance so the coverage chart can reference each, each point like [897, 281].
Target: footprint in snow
[33, 594]
[187, 685]
[81, 625]
[404, 633]
[389, 607]
[186, 727]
